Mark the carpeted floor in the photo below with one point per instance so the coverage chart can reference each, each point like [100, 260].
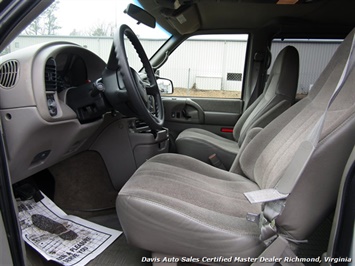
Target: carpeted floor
[83, 184]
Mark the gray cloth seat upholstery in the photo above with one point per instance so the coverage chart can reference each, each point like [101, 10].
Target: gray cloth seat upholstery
[177, 205]
[278, 96]
[186, 197]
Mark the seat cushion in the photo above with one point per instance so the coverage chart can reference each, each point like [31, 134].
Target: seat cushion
[198, 206]
[200, 144]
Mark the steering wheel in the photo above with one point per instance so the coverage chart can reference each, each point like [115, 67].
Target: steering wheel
[145, 98]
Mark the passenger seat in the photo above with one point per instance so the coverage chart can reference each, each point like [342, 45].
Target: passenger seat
[279, 94]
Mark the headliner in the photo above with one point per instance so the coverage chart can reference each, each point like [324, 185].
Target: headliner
[319, 18]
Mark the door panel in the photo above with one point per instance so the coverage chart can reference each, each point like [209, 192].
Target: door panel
[215, 115]
[183, 110]
[208, 75]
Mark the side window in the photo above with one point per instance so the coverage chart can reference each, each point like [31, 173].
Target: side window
[208, 66]
[314, 56]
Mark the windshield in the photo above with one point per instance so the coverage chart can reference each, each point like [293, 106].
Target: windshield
[89, 23]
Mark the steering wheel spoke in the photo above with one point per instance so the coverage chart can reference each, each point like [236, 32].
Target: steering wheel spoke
[139, 88]
[153, 90]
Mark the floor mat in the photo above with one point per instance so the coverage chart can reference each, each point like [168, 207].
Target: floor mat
[109, 220]
[83, 184]
[68, 240]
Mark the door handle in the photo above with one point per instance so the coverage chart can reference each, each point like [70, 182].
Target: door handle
[185, 113]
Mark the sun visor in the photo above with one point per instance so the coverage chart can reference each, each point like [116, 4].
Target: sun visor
[185, 20]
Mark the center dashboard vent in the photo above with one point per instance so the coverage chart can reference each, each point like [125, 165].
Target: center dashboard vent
[50, 75]
[9, 73]
[51, 83]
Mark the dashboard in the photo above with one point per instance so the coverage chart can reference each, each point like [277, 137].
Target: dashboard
[42, 105]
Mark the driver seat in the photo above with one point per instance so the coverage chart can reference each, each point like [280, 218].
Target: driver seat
[177, 205]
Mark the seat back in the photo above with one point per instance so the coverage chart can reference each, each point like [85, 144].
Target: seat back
[266, 157]
[279, 94]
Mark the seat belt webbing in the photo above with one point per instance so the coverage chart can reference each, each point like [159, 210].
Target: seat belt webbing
[256, 78]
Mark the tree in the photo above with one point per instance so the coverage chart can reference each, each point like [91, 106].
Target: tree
[51, 20]
[74, 32]
[102, 29]
[99, 32]
[36, 27]
[45, 23]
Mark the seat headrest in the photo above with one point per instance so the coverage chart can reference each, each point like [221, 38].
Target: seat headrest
[284, 74]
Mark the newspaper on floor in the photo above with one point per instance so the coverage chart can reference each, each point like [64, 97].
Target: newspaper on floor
[63, 238]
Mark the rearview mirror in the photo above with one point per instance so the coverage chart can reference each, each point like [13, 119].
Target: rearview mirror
[140, 15]
[165, 86]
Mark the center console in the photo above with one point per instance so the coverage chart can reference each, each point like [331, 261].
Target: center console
[125, 144]
[145, 143]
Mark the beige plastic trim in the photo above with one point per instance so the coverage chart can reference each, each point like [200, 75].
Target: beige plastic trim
[29, 129]
[95, 65]
[27, 134]
[30, 88]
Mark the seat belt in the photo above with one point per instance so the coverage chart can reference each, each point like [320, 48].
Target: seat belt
[274, 199]
[259, 57]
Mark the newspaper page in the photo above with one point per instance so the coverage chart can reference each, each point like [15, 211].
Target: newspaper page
[63, 238]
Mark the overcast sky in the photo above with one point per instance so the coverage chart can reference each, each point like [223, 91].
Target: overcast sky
[83, 15]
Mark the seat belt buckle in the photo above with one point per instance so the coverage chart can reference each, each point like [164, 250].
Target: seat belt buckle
[216, 162]
[253, 217]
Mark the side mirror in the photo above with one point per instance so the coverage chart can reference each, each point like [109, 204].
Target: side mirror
[165, 86]
[140, 15]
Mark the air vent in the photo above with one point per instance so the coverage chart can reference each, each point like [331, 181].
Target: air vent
[50, 75]
[9, 72]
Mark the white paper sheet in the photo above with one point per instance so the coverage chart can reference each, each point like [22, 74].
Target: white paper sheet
[63, 238]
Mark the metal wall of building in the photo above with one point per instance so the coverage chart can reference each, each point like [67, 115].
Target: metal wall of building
[204, 64]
